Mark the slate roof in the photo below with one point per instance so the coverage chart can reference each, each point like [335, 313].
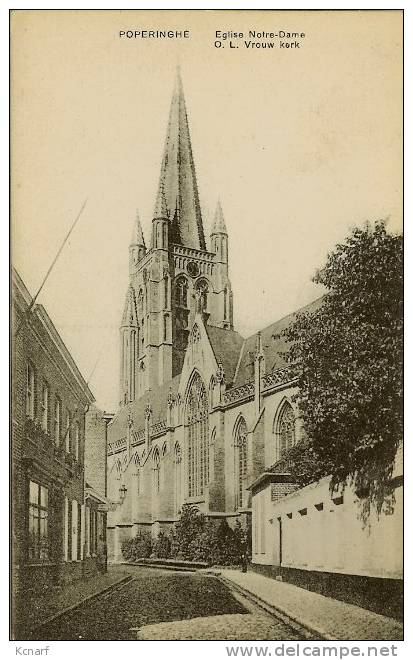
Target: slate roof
[227, 345]
[273, 346]
[158, 402]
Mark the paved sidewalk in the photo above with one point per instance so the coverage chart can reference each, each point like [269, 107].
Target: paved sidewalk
[331, 619]
[41, 607]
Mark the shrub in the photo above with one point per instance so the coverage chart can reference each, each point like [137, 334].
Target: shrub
[186, 531]
[162, 546]
[203, 546]
[196, 538]
[138, 547]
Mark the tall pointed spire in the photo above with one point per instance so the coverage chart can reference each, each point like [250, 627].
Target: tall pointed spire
[218, 226]
[137, 233]
[177, 184]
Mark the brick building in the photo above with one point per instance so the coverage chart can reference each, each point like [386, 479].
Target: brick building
[54, 528]
[203, 410]
[96, 480]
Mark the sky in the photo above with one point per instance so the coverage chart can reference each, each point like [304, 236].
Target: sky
[299, 145]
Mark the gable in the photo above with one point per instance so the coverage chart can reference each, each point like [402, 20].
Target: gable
[199, 356]
[227, 346]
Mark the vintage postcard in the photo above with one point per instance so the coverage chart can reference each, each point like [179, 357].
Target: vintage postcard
[207, 326]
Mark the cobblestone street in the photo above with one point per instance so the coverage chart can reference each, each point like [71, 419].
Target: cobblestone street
[159, 605]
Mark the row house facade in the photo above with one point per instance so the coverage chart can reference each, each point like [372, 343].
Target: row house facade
[55, 519]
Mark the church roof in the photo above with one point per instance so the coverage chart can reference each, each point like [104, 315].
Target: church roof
[177, 183]
[226, 345]
[273, 346]
[157, 399]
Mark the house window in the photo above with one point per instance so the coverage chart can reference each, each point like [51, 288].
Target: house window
[30, 393]
[241, 436]
[77, 440]
[69, 531]
[93, 531]
[79, 531]
[87, 530]
[285, 430]
[45, 407]
[57, 420]
[68, 430]
[38, 522]
[75, 529]
[197, 438]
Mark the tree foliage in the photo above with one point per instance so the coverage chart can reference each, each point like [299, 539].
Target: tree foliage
[303, 463]
[349, 354]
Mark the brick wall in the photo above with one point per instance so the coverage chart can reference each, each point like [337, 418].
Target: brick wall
[37, 455]
[278, 491]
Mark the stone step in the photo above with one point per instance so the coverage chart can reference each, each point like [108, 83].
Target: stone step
[170, 563]
[165, 567]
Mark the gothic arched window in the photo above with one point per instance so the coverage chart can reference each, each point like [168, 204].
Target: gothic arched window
[166, 291]
[118, 466]
[140, 302]
[196, 420]
[285, 430]
[165, 327]
[201, 293]
[241, 453]
[178, 477]
[156, 470]
[132, 365]
[195, 343]
[162, 467]
[136, 474]
[181, 292]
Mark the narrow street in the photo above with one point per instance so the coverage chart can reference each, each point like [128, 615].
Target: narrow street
[159, 604]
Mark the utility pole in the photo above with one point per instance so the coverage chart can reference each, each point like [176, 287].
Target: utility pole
[29, 309]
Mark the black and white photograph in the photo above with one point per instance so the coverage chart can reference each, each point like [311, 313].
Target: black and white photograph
[206, 334]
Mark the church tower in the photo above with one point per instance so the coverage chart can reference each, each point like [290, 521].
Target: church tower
[177, 276]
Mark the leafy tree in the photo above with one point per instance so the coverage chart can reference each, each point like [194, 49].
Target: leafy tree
[349, 354]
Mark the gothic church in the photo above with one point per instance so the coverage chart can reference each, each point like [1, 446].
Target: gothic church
[203, 411]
